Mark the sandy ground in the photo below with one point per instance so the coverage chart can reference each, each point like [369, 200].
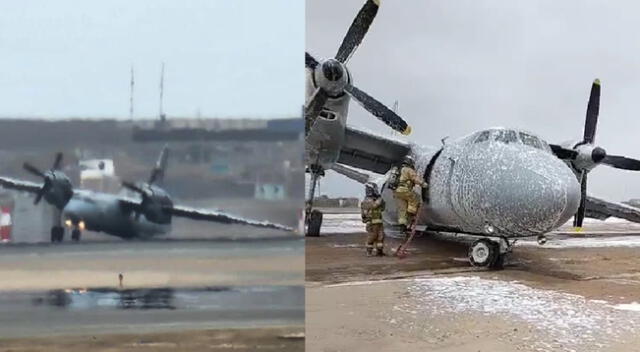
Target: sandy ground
[561, 298]
[268, 339]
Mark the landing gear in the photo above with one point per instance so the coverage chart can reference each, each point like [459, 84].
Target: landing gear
[57, 234]
[75, 234]
[314, 223]
[313, 218]
[489, 253]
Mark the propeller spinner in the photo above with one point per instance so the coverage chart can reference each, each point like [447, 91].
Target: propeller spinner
[334, 77]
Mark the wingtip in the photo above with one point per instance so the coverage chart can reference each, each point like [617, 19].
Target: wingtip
[407, 131]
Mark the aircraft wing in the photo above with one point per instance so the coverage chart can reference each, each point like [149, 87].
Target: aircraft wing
[217, 216]
[367, 151]
[355, 175]
[600, 209]
[20, 185]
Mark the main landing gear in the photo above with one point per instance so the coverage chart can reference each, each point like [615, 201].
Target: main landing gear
[489, 253]
[313, 217]
[57, 234]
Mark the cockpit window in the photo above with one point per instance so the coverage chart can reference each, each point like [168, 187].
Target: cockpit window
[483, 137]
[507, 136]
[530, 140]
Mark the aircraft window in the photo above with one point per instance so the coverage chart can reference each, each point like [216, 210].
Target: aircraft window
[483, 137]
[530, 140]
[507, 136]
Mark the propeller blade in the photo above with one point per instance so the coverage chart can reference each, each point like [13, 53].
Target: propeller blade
[57, 163]
[379, 110]
[154, 175]
[621, 162]
[313, 108]
[563, 153]
[310, 61]
[579, 217]
[133, 187]
[358, 30]
[45, 188]
[34, 170]
[593, 109]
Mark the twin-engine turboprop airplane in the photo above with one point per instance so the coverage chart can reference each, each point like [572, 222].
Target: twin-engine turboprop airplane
[496, 185]
[120, 216]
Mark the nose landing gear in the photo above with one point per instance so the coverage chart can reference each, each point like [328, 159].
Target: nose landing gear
[489, 253]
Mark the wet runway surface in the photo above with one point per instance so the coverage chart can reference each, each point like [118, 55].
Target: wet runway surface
[167, 285]
[94, 311]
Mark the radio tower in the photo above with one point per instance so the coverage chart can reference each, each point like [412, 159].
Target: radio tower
[131, 96]
[162, 117]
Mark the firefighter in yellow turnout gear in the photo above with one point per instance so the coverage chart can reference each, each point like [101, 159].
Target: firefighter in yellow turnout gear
[406, 199]
[371, 209]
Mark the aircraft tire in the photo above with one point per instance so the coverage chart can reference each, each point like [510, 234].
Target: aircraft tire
[75, 235]
[57, 234]
[314, 224]
[483, 253]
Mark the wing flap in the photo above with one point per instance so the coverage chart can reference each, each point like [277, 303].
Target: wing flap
[220, 217]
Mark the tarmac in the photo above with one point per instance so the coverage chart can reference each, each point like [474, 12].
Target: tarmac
[578, 292]
[229, 290]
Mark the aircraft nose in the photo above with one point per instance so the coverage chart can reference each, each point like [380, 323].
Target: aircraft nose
[528, 194]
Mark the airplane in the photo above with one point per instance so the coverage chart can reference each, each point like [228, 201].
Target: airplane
[329, 89]
[145, 216]
[494, 185]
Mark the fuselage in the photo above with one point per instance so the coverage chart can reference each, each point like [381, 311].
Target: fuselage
[495, 182]
[106, 213]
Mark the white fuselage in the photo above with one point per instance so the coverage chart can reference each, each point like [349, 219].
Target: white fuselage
[480, 180]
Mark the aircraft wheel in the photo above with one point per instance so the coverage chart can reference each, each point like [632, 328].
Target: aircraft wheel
[57, 234]
[314, 223]
[75, 235]
[483, 253]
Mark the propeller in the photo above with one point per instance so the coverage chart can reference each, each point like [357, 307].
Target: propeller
[334, 71]
[585, 156]
[46, 176]
[143, 193]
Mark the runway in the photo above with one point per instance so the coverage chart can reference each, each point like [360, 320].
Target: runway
[577, 293]
[113, 311]
[168, 285]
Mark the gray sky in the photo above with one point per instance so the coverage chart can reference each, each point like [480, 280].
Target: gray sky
[67, 58]
[460, 66]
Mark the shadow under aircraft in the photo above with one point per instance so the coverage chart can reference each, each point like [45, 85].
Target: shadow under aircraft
[144, 216]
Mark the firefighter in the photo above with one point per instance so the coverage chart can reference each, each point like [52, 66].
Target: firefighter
[371, 210]
[406, 199]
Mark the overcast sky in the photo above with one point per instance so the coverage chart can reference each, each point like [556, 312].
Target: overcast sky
[461, 66]
[67, 58]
